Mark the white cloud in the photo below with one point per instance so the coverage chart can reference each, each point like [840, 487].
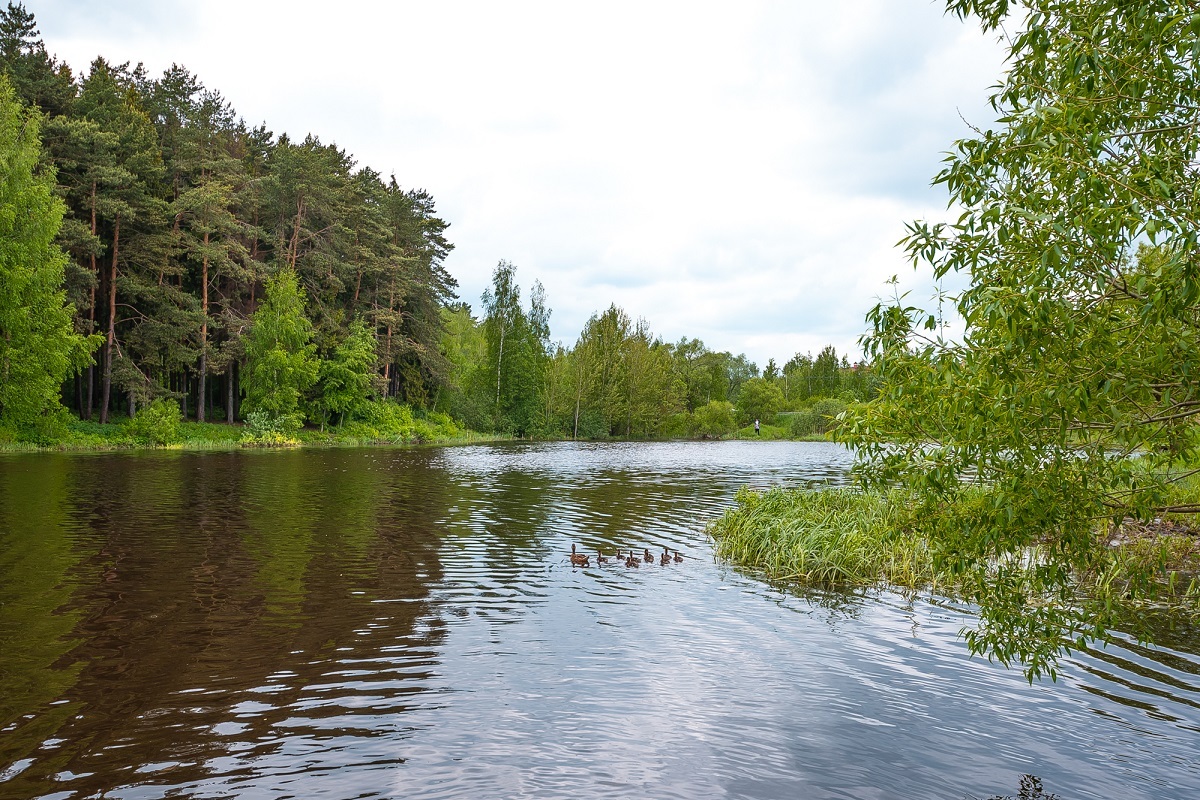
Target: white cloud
[737, 174]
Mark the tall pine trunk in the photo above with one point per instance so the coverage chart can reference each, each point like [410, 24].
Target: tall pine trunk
[91, 369]
[387, 360]
[86, 413]
[106, 389]
[200, 406]
[229, 375]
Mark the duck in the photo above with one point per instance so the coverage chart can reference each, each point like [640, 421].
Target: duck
[648, 557]
[664, 559]
[578, 559]
[678, 557]
[601, 558]
[631, 561]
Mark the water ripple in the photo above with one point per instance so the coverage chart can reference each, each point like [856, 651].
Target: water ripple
[407, 623]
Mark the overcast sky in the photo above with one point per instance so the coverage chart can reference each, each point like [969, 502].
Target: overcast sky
[735, 172]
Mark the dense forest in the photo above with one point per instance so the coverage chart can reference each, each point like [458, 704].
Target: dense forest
[226, 273]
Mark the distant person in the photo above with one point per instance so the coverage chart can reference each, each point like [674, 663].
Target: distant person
[756, 427]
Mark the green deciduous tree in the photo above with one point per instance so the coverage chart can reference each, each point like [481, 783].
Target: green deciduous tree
[281, 361]
[38, 346]
[759, 399]
[825, 378]
[1077, 355]
[344, 379]
[517, 352]
[715, 419]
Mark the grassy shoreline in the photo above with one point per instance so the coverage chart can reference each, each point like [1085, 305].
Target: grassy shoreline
[845, 538]
[84, 437]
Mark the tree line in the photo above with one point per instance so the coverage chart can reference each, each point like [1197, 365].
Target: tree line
[231, 271]
[618, 379]
[178, 214]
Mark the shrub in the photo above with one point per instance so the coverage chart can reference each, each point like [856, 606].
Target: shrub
[592, 425]
[382, 421]
[434, 427]
[714, 420]
[826, 412]
[802, 423]
[155, 425]
[676, 426]
[264, 429]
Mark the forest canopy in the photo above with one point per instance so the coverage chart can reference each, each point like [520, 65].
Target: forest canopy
[225, 270]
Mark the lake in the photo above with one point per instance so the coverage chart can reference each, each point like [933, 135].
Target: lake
[406, 623]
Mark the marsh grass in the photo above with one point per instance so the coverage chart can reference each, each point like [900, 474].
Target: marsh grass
[844, 538]
[835, 537]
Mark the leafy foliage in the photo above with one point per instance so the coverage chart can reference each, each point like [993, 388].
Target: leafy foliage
[517, 352]
[38, 346]
[280, 357]
[157, 424]
[1081, 346]
[264, 429]
[759, 399]
[344, 380]
[715, 419]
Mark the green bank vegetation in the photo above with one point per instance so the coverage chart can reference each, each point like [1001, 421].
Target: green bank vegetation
[1046, 459]
[160, 425]
[844, 538]
[163, 259]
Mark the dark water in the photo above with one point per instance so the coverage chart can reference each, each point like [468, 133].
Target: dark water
[405, 623]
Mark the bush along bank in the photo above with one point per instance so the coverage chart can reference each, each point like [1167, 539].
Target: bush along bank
[846, 539]
[160, 425]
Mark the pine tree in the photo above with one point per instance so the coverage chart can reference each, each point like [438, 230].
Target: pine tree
[37, 78]
[131, 212]
[197, 129]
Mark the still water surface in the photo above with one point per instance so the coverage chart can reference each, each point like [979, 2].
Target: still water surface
[406, 623]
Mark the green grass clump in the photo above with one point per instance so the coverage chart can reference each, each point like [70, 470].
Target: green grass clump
[767, 433]
[849, 538]
[831, 537]
[210, 435]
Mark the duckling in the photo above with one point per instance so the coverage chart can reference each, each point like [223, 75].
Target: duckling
[601, 558]
[649, 559]
[664, 559]
[578, 559]
[631, 561]
[678, 557]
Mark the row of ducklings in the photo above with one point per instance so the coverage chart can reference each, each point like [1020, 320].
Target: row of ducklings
[631, 560]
